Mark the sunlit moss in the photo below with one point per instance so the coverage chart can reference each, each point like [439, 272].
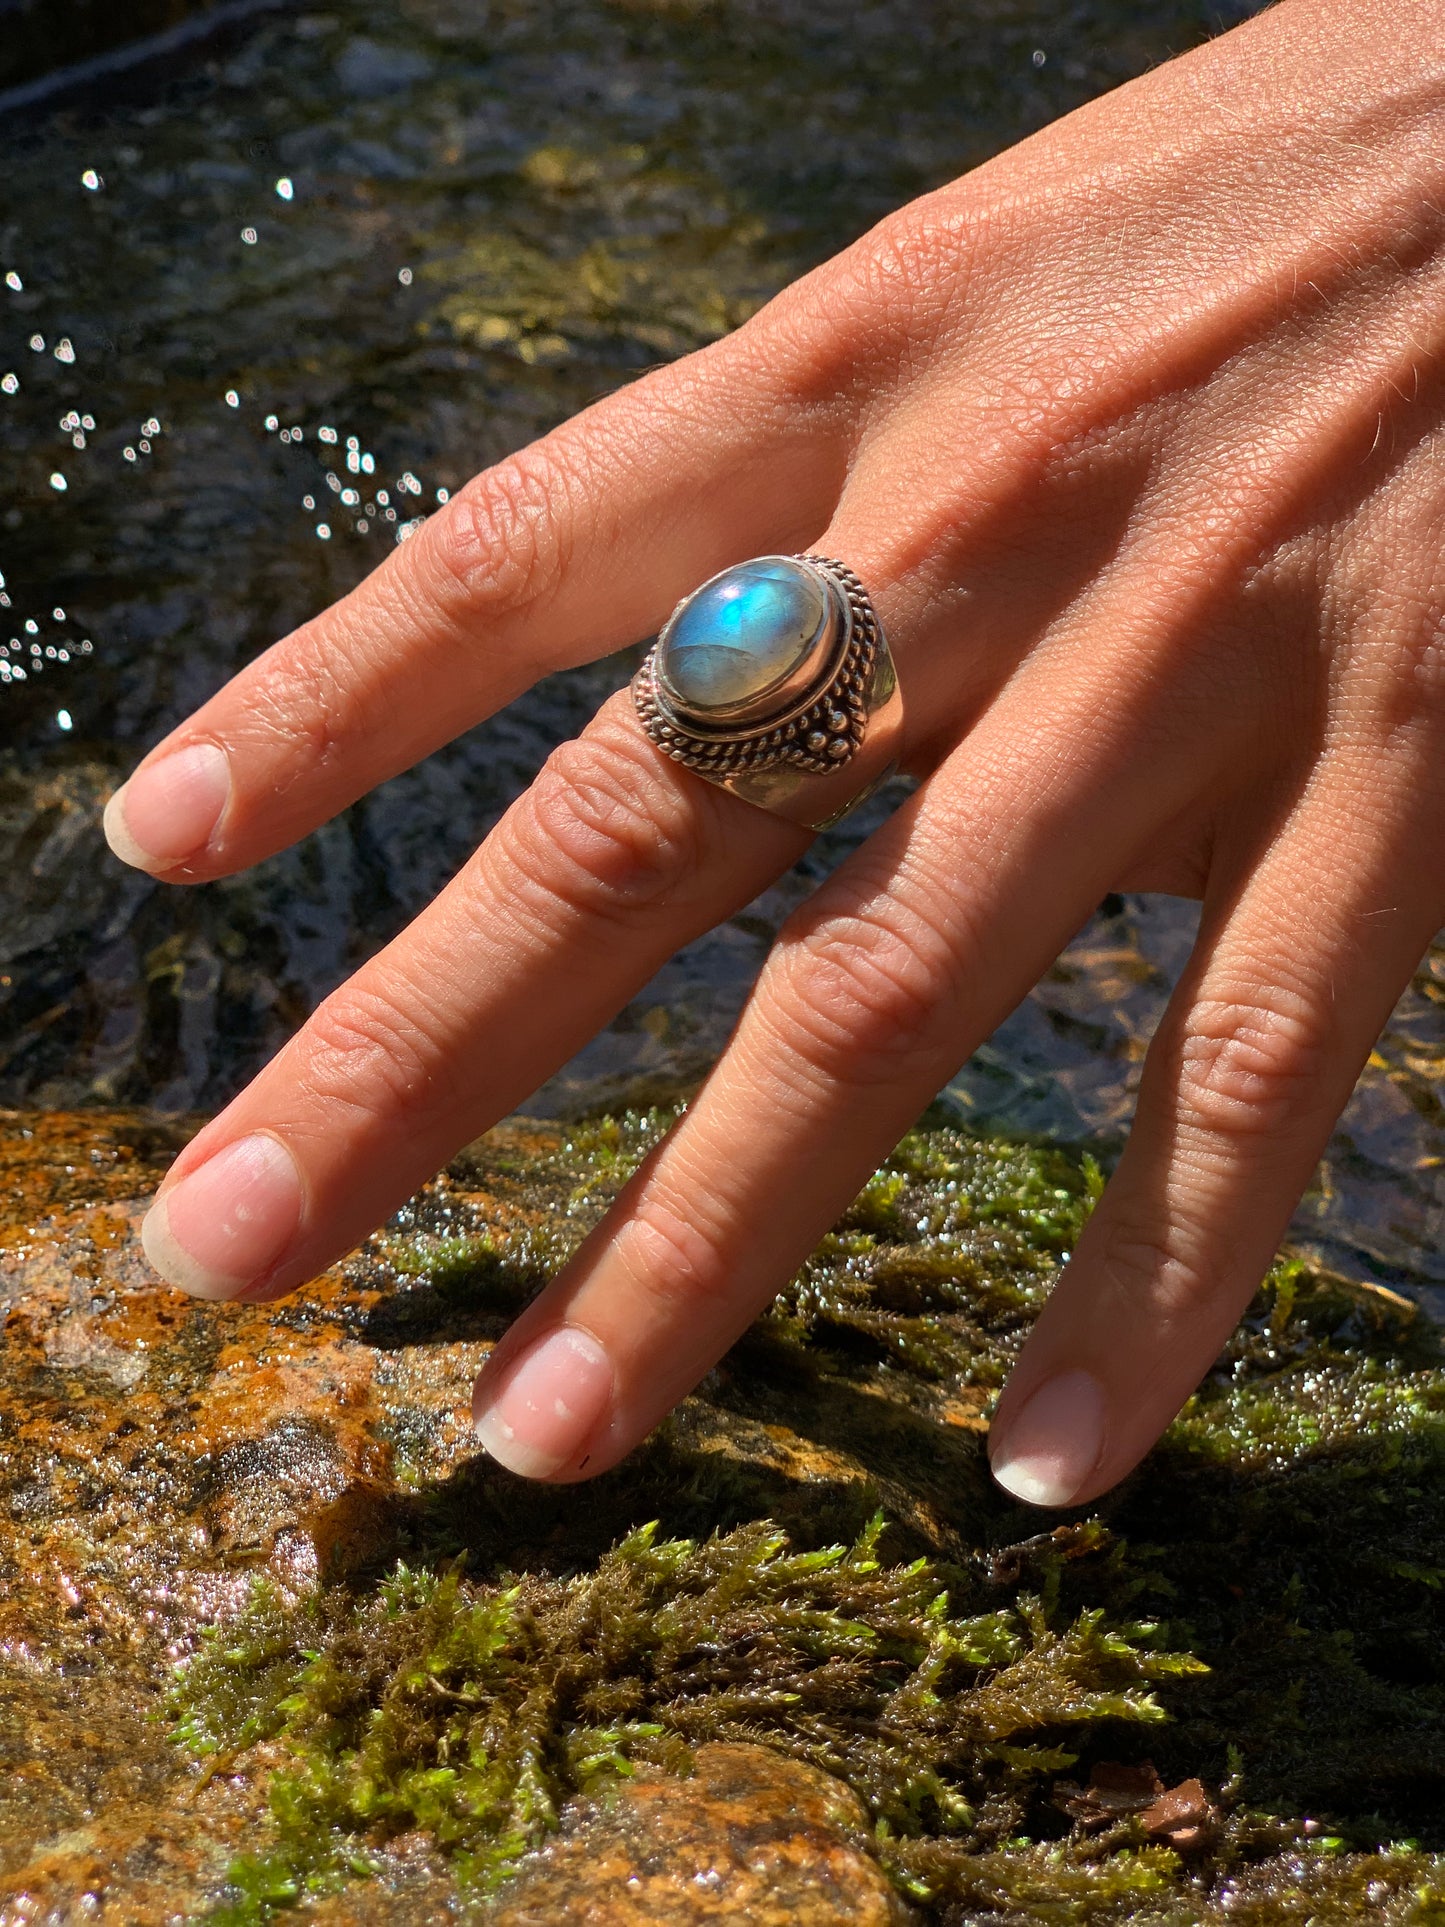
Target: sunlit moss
[471, 1711]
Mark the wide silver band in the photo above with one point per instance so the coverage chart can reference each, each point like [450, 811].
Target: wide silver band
[834, 734]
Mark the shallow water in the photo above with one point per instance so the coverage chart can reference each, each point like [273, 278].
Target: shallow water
[435, 227]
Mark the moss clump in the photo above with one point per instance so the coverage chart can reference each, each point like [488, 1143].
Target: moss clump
[1258, 1609]
[471, 1711]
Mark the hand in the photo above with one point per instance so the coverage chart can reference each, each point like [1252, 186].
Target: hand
[1136, 437]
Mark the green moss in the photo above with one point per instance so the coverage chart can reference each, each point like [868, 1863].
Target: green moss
[1259, 1607]
[471, 1711]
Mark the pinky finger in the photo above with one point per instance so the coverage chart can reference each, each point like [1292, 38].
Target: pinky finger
[1260, 1047]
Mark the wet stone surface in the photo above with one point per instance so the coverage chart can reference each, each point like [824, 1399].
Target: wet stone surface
[157, 1455]
[749, 1836]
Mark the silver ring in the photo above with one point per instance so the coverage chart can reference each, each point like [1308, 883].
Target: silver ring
[774, 680]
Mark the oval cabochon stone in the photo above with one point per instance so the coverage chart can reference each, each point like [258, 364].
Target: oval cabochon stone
[742, 636]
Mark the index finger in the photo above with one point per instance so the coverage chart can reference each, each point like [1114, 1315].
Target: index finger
[561, 553]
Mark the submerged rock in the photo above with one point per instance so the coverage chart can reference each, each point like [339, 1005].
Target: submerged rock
[272, 1633]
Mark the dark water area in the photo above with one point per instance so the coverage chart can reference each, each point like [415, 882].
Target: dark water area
[309, 277]
[50, 46]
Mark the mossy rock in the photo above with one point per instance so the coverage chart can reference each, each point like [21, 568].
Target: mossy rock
[391, 1671]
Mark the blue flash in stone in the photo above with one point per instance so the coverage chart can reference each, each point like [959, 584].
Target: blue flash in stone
[738, 647]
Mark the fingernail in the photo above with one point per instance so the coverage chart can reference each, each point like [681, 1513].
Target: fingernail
[544, 1405]
[1053, 1442]
[225, 1224]
[168, 811]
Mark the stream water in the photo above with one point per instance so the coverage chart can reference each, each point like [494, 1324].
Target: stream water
[265, 300]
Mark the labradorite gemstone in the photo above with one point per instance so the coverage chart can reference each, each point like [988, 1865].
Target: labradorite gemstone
[742, 635]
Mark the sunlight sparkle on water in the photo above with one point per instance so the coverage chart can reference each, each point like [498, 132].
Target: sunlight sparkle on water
[362, 518]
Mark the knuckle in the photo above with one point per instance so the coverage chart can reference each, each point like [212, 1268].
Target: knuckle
[1156, 1264]
[501, 546]
[604, 830]
[1387, 605]
[917, 251]
[1409, 682]
[1246, 1067]
[856, 994]
[883, 303]
[1425, 658]
[363, 1054]
[301, 695]
[673, 1256]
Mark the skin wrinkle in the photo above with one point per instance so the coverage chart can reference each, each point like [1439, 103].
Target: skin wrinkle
[863, 982]
[400, 1031]
[507, 537]
[671, 1253]
[1244, 1062]
[601, 833]
[309, 701]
